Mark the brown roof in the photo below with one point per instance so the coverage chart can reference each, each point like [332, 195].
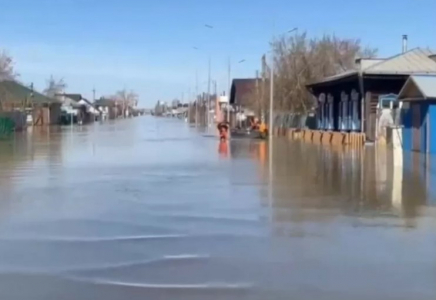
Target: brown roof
[242, 91]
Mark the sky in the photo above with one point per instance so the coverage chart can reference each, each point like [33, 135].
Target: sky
[148, 46]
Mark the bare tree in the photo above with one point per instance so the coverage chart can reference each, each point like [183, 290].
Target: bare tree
[55, 87]
[299, 61]
[7, 71]
[127, 98]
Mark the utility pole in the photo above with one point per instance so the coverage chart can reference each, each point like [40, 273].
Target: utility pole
[32, 93]
[208, 96]
[271, 97]
[93, 94]
[270, 127]
[216, 101]
[257, 93]
[271, 101]
[228, 90]
[196, 98]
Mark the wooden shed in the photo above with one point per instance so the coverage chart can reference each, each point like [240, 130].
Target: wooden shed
[419, 114]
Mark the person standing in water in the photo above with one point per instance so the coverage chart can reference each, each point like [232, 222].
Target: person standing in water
[223, 128]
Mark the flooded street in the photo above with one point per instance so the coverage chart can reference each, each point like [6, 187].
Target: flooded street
[150, 208]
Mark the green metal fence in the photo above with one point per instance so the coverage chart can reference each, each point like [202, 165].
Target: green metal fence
[6, 127]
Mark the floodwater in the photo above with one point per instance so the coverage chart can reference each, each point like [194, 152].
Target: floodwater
[150, 208]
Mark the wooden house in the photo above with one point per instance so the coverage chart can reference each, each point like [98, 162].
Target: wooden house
[15, 96]
[349, 102]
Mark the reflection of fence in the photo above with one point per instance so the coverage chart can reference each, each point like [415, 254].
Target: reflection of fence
[294, 120]
[386, 117]
[198, 115]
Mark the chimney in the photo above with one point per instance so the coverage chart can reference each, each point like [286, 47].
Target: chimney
[404, 43]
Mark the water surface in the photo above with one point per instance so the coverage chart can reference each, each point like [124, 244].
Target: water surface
[150, 208]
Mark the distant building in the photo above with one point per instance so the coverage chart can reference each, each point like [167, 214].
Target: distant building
[175, 103]
[75, 106]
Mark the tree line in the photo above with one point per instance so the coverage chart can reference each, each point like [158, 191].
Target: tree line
[55, 86]
[299, 60]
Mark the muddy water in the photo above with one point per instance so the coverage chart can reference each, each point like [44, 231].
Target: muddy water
[152, 209]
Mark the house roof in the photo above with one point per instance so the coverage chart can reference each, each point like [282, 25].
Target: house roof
[414, 61]
[411, 62]
[75, 97]
[13, 91]
[242, 90]
[419, 87]
[104, 102]
[340, 76]
[368, 62]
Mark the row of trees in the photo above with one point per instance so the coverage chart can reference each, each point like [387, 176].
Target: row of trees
[58, 86]
[300, 60]
[123, 97]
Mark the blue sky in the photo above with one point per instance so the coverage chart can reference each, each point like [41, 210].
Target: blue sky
[147, 45]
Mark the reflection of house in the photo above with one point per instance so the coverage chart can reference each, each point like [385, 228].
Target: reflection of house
[34, 106]
[75, 106]
[419, 113]
[349, 101]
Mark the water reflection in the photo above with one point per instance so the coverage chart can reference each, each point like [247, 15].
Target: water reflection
[371, 182]
[223, 149]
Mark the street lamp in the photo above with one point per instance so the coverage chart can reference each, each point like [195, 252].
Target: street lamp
[271, 97]
[208, 86]
[229, 88]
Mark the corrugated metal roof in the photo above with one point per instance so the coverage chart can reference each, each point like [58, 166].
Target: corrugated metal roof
[424, 84]
[414, 61]
[13, 91]
[369, 62]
